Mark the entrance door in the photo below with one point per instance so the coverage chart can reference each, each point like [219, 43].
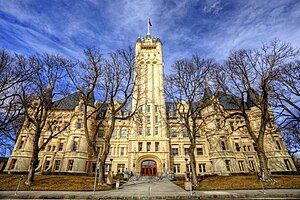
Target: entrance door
[148, 168]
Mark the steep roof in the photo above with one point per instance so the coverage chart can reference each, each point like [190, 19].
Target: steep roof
[69, 102]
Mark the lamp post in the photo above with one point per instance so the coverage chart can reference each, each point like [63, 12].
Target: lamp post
[186, 165]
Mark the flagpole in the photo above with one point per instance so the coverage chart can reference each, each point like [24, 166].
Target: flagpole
[148, 27]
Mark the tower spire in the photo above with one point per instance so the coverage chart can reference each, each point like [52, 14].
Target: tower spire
[149, 24]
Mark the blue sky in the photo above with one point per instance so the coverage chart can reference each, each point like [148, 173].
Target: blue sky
[210, 28]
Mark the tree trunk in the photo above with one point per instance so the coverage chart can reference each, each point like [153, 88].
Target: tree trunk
[193, 163]
[102, 163]
[34, 161]
[263, 164]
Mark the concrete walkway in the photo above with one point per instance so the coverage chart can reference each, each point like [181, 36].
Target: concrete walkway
[154, 190]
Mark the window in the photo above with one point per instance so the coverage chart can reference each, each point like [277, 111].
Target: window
[107, 167]
[70, 165]
[12, 163]
[218, 123]
[61, 146]
[244, 147]
[140, 146]
[237, 147]
[156, 130]
[79, 124]
[123, 133]
[101, 132]
[49, 148]
[140, 130]
[202, 168]
[141, 108]
[287, 164]
[156, 119]
[156, 108]
[148, 131]
[249, 148]
[231, 126]
[110, 151]
[173, 133]
[241, 165]
[22, 142]
[176, 168]
[148, 119]
[156, 146]
[278, 145]
[189, 168]
[186, 151]
[56, 165]
[200, 151]
[47, 164]
[227, 163]
[185, 133]
[223, 145]
[148, 108]
[251, 164]
[148, 146]
[75, 144]
[53, 148]
[122, 151]
[175, 151]
[121, 168]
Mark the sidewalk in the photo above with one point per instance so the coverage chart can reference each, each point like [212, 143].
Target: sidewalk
[154, 190]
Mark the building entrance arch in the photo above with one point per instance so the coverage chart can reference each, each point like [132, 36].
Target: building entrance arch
[148, 168]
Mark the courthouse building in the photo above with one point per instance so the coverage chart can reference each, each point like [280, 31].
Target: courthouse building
[152, 143]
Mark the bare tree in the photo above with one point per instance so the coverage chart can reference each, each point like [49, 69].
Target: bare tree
[120, 79]
[11, 112]
[185, 88]
[37, 95]
[248, 77]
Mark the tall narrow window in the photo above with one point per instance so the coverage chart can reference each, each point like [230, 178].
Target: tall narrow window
[148, 119]
[61, 146]
[156, 119]
[121, 168]
[70, 165]
[156, 108]
[223, 145]
[186, 151]
[241, 165]
[231, 126]
[148, 108]
[227, 163]
[122, 151]
[148, 146]
[278, 145]
[156, 130]
[237, 147]
[110, 151]
[79, 124]
[100, 131]
[287, 164]
[123, 133]
[75, 144]
[140, 130]
[12, 164]
[176, 168]
[148, 131]
[251, 164]
[156, 146]
[140, 146]
[56, 165]
[22, 142]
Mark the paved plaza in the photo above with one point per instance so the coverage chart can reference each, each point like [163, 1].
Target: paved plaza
[154, 190]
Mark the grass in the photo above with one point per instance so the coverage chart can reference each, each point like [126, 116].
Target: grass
[50, 183]
[245, 182]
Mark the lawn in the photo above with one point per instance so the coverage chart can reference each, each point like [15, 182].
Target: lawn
[245, 182]
[50, 182]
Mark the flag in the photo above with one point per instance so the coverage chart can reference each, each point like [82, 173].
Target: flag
[149, 22]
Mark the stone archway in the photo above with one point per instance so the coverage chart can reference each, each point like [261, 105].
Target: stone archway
[149, 165]
[148, 168]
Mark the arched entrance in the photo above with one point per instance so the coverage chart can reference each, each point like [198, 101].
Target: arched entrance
[148, 168]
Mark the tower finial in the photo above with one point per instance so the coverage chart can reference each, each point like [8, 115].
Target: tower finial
[149, 24]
